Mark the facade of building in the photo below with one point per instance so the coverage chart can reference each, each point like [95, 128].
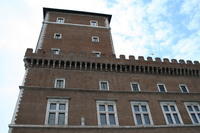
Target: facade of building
[75, 84]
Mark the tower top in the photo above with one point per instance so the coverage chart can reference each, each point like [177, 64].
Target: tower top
[45, 10]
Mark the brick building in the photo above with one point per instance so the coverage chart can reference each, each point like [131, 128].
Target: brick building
[74, 83]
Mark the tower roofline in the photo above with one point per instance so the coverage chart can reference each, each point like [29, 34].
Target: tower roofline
[45, 10]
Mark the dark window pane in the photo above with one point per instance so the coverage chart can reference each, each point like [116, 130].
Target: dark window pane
[144, 108]
[184, 89]
[53, 106]
[110, 108]
[194, 118]
[172, 107]
[166, 108]
[61, 106]
[61, 118]
[101, 107]
[196, 108]
[190, 108]
[59, 84]
[103, 119]
[51, 120]
[199, 115]
[139, 119]
[136, 108]
[176, 118]
[161, 88]
[146, 119]
[135, 87]
[169, 119]
[112, 119]
[104, 86]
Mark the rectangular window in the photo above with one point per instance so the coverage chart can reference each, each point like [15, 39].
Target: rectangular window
[60, 83]
[57, 112]
[107, 113]
[93, 23]
[171, 113]
[161, 88]
[55, 50]
[103, 85]
[97, 53]
[193, 109]
[141, 113]
[135, 86]
[183, 88]
[60, 20]
[57, 35]
[95, 39]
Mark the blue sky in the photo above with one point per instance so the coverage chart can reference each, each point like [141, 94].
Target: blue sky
[157, 28]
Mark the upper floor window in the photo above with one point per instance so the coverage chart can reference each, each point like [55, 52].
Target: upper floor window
[95, 39]
[171, 113]
[141, 113]
[135, 86]
[93, 23]
[60, 20]
[97, 53]
[59, 83]
[161, 88]
[57, 35]
[183, 88]
[193, 109]
[107, 113]
[103, 85]
[57, 112]
[55, 51]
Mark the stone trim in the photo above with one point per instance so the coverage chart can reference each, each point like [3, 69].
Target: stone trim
[101, 127]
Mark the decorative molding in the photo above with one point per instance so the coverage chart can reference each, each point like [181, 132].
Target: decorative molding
[101, 127]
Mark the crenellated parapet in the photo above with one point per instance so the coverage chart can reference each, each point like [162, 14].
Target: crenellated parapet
[90, 62]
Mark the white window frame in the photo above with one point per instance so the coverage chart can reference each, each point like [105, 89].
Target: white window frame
[185, 87]
[106, 103]
[163, 86]
[95, 39]
[57, 111]
[192, 104]
[168, 104]
[56, 37]
[137, 85]
[97, 53]
[55, 84]
[58, 20]
[106, 83]
[140, 103]
[94, 23]
[55, 51]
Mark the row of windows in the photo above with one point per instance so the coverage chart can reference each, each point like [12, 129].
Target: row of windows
[57, 113]
[104, 85]
[62, 20]
[58, 36]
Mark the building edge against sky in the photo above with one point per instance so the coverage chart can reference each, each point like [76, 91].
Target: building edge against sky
[74, 83]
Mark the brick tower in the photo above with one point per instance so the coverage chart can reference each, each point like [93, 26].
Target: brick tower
[74, 83]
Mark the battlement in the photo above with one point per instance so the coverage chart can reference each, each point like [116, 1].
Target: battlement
[85, 61]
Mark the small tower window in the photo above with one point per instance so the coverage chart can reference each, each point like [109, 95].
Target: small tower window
[55, 51]
[93, 23]
[57, 35]
[161, 88]
[59, 83]
[95, 39]
[135, 86]
[60, 20]
[97, 53]
[103, 85]
[183, 88]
